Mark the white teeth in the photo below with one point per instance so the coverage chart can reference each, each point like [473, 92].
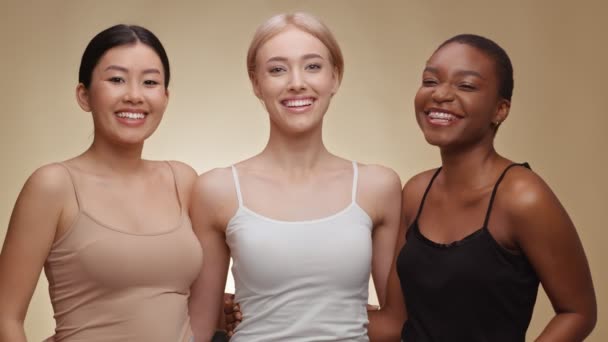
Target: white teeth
[442, 116]
[298, 103]
[133, 116]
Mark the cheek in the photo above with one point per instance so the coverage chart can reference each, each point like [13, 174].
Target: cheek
[419, 100]
[271, 87]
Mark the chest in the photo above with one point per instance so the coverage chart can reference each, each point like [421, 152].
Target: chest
[271, 254]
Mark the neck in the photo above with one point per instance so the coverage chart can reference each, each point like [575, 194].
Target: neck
[296, 153]
[122, 159]
[468, 168]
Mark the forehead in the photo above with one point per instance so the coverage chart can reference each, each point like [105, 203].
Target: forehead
[459, 56]
[291, 43]
[131, 55]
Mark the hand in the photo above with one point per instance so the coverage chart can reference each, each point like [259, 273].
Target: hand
[232, 313]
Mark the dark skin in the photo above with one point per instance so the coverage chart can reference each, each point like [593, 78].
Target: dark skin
[527, 217]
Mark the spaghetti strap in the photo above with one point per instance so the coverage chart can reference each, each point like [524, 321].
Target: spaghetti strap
[72, 179]
[179, 199]
[237, 185]
[502, 175]
[428, 187]
[355, 181]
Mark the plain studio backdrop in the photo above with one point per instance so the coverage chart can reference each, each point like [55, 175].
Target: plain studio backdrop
[557, 119]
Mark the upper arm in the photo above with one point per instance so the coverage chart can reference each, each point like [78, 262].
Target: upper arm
[212, 205]
[385, 186]
[30, 235]
[547, 236]
[411, 196]
[386, 324]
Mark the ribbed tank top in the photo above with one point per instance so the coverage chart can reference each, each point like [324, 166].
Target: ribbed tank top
[301, 281]
[107, 284]
[471, 290]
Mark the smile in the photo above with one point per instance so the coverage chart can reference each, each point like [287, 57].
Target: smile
[131, 116]
[442, 116]
[297, 103]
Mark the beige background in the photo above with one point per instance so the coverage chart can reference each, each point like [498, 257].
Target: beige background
[558, 49]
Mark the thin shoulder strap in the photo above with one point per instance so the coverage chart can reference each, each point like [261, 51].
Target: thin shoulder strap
[355, 181]
[502, 175]
[179, 198]
[428, 187]
[72, 180]
[237, 185]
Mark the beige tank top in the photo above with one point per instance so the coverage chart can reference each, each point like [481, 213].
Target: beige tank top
[107, 284]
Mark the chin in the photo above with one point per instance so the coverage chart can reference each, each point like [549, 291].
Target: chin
[439, 140]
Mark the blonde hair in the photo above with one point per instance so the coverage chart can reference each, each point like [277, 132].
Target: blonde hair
[300, 20]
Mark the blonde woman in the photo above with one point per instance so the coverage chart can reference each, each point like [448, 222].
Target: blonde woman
[304, 227]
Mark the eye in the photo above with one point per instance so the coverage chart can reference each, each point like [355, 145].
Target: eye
[313, 67]
[116, 79]
[429, 82]
[276, 69]
[467, 87]
[151, 83]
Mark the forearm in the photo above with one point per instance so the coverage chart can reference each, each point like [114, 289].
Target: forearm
[12, 331]
[567, 327]
[384, 327]
[203, 323]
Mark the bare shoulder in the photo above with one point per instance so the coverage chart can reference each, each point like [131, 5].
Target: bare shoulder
[183, 170]
[51, 180]
[184, 173]
[46, 192]
[523, 193]
[214, 193]
[217, 182]
[413, 191]
[378, 179]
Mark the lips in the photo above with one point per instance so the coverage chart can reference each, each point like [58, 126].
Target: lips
[131, 118]
[131, 115]
[298, 103]
[442, 117]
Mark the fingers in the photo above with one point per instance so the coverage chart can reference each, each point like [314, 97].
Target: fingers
[232, 313]
[230, 327]
[228, 303]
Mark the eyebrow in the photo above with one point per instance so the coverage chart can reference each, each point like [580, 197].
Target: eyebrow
[125, 70]
[459, 72]
[284, 59]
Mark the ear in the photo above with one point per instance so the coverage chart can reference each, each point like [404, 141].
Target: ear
[501, 112]
[82, 97]
[336, 80]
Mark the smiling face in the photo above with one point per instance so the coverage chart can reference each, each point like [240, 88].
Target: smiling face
[458, 102]
[295, 79]
[127, 95]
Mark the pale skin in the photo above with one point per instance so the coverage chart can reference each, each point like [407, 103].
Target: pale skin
[140, 193]
[526, 218]
[295, 177]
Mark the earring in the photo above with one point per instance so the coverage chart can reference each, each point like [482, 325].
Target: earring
[496, 123]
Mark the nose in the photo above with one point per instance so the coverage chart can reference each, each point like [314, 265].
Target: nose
[133, 93]
[442, 93]
[296, 81]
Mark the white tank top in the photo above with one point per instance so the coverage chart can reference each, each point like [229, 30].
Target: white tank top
[301, 281]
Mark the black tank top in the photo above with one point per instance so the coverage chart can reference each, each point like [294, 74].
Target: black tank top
[472, 290]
